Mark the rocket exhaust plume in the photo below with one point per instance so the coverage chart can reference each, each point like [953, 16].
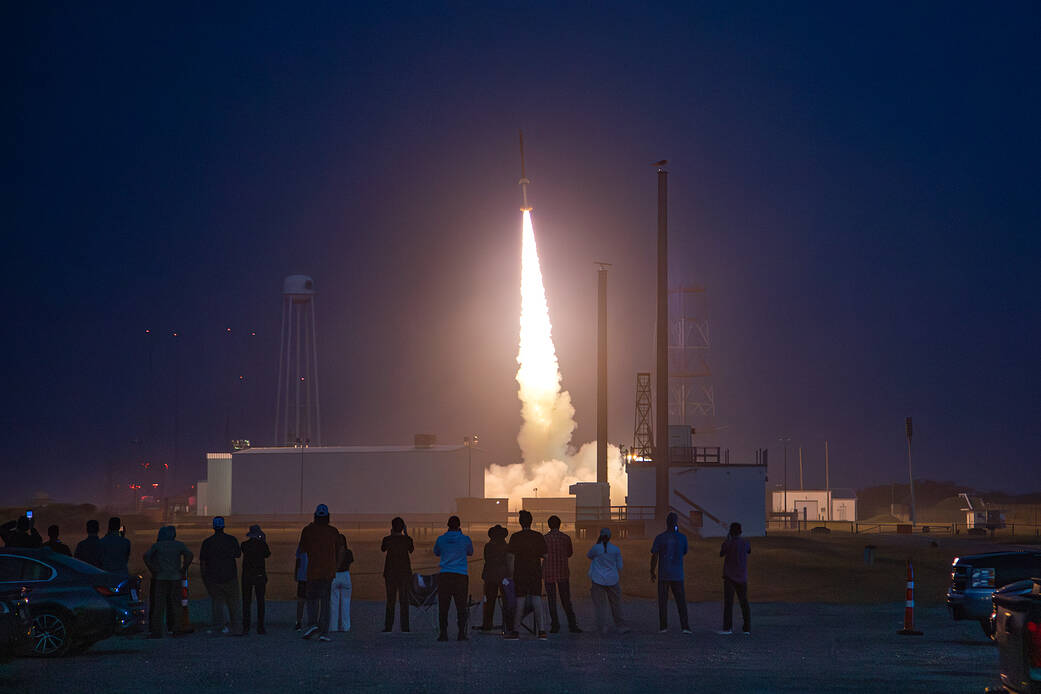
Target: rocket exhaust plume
[550, 463]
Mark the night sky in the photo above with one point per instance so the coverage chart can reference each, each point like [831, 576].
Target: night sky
[857, 188]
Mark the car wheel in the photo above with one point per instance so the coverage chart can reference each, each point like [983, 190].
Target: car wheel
[50, 636]
[988, 628]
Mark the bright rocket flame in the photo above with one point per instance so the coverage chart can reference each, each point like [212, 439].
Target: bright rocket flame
[548, 415]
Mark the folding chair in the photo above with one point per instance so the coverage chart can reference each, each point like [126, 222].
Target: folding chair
[423, 596]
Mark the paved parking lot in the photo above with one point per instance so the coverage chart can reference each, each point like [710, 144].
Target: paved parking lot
[794, 648]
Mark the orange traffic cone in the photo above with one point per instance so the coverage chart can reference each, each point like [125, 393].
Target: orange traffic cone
[909, 629]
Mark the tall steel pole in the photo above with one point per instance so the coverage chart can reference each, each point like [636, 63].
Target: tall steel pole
[601, 375]
[661, 448]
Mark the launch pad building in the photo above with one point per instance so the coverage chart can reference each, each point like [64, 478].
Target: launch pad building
[369, 480]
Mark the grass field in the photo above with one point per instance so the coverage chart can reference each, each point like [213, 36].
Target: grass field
[782, 567]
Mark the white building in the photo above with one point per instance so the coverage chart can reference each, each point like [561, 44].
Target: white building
[377, 480]
[714, 495]
[814, 504]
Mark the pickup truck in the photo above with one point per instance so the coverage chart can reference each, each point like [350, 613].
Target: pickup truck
[1018, 635]
[974, 579]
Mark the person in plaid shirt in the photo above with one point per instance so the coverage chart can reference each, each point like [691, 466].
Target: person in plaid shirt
[556, 576]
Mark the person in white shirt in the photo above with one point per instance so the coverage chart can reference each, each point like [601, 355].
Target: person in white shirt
[605, 566]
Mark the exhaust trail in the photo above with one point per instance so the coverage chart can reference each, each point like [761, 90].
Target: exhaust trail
[549, 463]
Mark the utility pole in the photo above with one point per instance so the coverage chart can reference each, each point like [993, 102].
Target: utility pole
[801, 487]
[470, 442]
[910, 476]
[827, 477]
[785, 440]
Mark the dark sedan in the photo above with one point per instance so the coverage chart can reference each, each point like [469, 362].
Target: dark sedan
[73, 604]
[15, 623]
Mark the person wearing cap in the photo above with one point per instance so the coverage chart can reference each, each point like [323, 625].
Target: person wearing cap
[453, 547]
[605, 567]
[528, 547]
[557, 576]
[255, 551]
[667, 554]
[220, 576]
[397, 572]
[497, 570]
[319, 542]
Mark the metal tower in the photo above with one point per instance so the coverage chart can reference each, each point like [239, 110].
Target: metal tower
[297, 410]
[692, 397]
[643, 438]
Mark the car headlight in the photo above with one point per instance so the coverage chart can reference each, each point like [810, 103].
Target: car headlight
[983, 578]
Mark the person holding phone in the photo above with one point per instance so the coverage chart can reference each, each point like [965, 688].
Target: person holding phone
[21, 533]
[605, 568]
[667, 554]
[397, 572]
[735, 550]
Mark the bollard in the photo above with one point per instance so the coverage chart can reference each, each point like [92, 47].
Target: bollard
[909, 629]
[869, 555]
[186, 620]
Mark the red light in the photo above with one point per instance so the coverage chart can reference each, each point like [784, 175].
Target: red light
[147, 331]
[155, 485]
[1034, 644]
[253, 334]
[105, 590]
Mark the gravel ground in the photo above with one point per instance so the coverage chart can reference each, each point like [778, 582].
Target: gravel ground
[793, 648]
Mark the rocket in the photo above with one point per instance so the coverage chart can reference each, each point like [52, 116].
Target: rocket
[523, 182]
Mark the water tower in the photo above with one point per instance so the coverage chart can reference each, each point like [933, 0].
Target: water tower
[297, 410]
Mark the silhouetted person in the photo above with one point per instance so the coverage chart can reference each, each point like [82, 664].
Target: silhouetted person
[318, 541]
[89, 549]
[605, 568]
[497, 570]
[557, 575]
[735, 550]
[397, 572]
[220, 576]
[300, 571]
[667, 554]
[115, 549]
[168, 560]
[255, 552]
[21, 534]
[54, 543]
[340, 595]
[453, 547]
[528, 547]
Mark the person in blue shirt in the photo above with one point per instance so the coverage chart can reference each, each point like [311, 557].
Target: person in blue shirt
[667, 554]
[453, 548]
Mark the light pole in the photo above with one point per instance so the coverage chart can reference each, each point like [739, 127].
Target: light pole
[470, 442]
[910, 477]
[785, 440]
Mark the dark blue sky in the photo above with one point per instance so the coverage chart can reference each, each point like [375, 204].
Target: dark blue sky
[856, 186]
